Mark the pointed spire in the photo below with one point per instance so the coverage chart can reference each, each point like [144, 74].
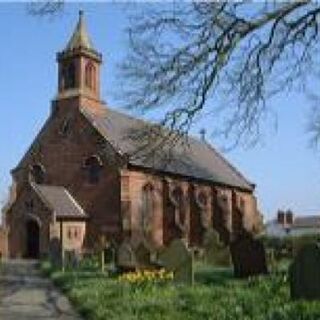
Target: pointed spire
[80, 38]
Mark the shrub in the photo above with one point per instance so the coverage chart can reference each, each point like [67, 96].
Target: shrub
[299, 242]
[46, 267]
[89, 263]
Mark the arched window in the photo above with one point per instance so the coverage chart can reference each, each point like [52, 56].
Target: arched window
[238, 216]
[147, 207]
[202, 212]
[178, 201]
[90, 75]
[69, 76]
[93, 165]
[202, 200]
[38, 173]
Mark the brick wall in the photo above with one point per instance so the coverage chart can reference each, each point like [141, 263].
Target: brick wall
[63, 157]
[16, 220]
[3, 243]
[202, 208]
[73, 233]
[114, 204]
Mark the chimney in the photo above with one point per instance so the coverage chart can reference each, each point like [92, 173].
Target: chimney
[289, 217]
[281, 217]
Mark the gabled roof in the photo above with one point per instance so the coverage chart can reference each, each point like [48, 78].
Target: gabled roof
[60, 201]
[80, 38]
[197, 160]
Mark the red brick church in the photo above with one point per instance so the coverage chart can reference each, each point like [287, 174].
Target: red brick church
[81, 180]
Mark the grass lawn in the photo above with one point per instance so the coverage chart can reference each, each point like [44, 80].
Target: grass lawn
[216, 295]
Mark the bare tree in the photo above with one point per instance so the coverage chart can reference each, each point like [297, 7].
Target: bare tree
[223, 59]
[45, 8]
[220, 59]
[314, 120]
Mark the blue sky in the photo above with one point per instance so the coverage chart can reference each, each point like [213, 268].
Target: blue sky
[283, 166]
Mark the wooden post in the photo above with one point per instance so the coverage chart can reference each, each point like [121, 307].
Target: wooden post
[62, 247]
[102, 261]
[103, 246]
[192, 267]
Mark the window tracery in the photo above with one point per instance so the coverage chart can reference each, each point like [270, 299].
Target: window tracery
[38, 173]
[69, 76]
[147, 208]
[93, 165]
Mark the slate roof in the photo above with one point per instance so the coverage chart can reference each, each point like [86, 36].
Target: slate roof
[60, 201]
[199, 160]
[305, 222]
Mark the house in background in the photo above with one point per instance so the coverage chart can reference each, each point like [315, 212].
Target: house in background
[288, 224]
[81, 180]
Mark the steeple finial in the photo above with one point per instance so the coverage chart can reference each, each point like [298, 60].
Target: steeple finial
[80, 38]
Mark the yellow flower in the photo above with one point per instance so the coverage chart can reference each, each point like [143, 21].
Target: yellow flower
[145, 276]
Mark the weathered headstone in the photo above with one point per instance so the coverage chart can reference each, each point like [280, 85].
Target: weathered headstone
[110, 256]
[72, 259]
[143, 256]
[55, 252]
[216, 253]
[248, 256]
[304, 273]
[126, 258]
[178, 259]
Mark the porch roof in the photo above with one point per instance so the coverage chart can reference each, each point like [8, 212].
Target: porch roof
[60, 201]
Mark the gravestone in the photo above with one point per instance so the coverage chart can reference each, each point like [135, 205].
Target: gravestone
[126, 258]
[143, 256]
[304, 273]
[178, 259]
[216, 253]
[110, 255]
[72, 259]
[248, 256]
[55, 252]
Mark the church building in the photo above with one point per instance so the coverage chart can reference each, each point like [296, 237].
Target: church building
[81, 179]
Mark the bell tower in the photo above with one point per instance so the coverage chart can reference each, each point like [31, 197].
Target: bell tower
[79, 67]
